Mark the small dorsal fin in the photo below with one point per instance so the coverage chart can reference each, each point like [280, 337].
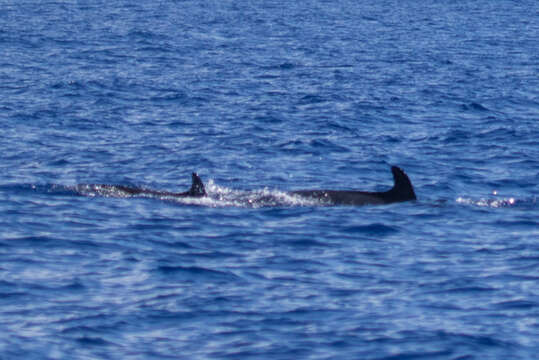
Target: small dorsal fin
[403, 186]
[197, 187]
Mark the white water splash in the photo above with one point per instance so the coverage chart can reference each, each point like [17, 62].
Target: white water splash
[220, 196]
[217, 196]
[493, 203]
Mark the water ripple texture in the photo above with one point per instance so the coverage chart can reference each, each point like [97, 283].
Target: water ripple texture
[263, 98]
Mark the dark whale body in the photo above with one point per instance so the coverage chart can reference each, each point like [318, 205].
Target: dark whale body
[197, 189]
[401, 191]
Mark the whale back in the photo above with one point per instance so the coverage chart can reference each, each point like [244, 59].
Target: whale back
[402, 189]
[197, 187]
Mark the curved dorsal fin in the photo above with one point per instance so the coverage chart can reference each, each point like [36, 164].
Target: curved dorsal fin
[402, 188]
[197, 187]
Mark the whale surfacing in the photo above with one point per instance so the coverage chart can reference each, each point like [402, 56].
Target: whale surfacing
[402, 190]
[197, 189]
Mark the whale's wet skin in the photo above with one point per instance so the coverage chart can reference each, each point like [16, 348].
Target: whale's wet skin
[401, 191]
[197, 190]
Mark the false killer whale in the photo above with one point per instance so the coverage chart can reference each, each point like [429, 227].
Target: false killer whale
[402, 190]
[197, 189]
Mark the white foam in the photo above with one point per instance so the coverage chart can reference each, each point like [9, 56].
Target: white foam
[494, 203]
[217, 196]
[220, 196]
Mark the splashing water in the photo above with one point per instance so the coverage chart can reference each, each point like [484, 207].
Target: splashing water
[495, 203]
[217, 196]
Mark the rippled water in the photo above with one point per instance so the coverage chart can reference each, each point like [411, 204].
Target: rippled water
[261, 98]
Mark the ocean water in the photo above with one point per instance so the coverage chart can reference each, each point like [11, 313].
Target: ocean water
[262, 97]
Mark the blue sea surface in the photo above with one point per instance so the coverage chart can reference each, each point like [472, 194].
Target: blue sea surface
[260, 98]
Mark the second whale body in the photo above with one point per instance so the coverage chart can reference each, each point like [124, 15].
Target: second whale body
[402, 190]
